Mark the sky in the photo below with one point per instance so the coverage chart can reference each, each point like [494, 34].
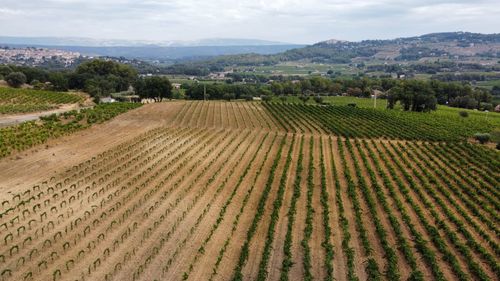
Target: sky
[293, 21]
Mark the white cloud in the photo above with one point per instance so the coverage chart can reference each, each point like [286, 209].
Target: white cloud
[301, 21]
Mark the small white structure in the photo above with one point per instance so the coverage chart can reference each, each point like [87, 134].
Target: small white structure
[107, 100]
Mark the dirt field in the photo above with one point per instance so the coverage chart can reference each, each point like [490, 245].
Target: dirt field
[220, 191]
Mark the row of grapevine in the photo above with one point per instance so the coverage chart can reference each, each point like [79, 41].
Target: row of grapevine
[29, 134]
[371, 123]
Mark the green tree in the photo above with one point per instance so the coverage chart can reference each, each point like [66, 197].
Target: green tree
[154, 87]
[5, 70]
[413, 95]
[16, 79]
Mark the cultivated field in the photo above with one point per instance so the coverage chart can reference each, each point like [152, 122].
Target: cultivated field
[246, 191]
[13, 101]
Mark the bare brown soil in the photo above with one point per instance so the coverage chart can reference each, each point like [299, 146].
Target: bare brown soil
[169, 191]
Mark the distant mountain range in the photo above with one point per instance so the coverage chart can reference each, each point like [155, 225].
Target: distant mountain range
[458, 46]
[153, 50]
[90, 42]
[227, 51]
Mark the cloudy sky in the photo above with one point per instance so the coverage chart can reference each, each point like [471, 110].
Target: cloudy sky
[295, 21]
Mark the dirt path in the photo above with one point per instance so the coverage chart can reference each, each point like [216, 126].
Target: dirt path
[21, 170]
[15, 119]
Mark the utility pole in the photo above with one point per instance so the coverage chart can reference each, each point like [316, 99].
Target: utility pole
[375, 100]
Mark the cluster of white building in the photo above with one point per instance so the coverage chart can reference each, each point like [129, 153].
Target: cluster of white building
[35, 56]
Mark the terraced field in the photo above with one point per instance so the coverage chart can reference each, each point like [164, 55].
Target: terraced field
[242, 191]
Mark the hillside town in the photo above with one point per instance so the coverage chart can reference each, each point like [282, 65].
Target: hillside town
[31, 56]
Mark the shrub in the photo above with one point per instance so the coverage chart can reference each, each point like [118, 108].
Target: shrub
[463, 114]
[482, 137]
[351, 104]
[16, 79]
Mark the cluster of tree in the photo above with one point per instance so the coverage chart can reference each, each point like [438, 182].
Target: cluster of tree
[154, 87]
[413, 94]
[96, 77]
[435, 67]
[217, 91]
[465, 77]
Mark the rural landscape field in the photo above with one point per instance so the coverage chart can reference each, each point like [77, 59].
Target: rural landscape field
[216, 190]
[243, 140]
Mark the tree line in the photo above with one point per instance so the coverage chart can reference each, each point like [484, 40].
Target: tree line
[102, 77]
[98, 78]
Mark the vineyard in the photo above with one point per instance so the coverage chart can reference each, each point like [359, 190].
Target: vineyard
[25, 100]
[253, 191]
[29, 134]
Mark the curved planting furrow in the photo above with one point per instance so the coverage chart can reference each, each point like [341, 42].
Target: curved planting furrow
[278, 202]
[287, 262]
[237, 115]
[289, 114]
[187, 113]
[193, 229]
[193, 115]
[472, 203]
[206, 114]
[215, 116]
[250, 117]
[151, 247]
[391, 271]
[197, 114]
[125, 215]
[105, 215]
[343, 223]
[237, 274]
[108, 212]
[57, 193]
[333, 124]
[309, 110]
[304, 120]
[485, 157]
[468, 160]
[371, 268]
[420, 243]
[257, 244]
[326, 244]
[221, 254]
[461, 228]
[181, 113]
[402, 244]
[284, 117]
[69, 177]
[51, 228]
[282, 121]
[154, 201]
[301, 119]
[483, 184]
[439, 224]
[262, 113]
[223, 210]
[308, 229]
[247, 118]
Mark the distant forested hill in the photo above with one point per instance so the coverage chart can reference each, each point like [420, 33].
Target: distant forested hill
[449, 45]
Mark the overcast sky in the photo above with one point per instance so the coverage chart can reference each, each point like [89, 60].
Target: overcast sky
[295, 21]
